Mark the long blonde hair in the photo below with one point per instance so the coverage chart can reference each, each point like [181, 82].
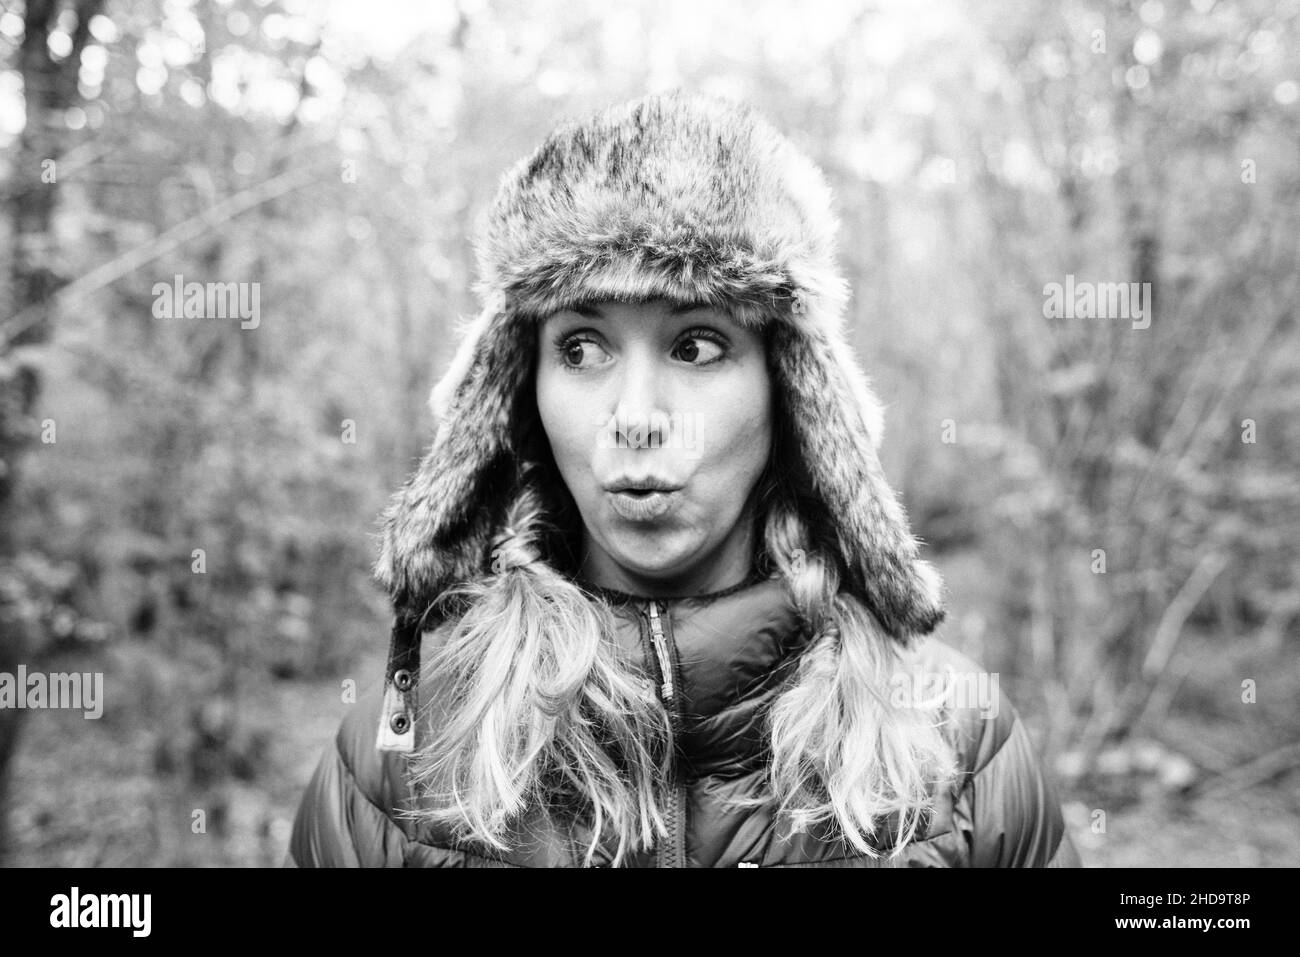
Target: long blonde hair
[537, 713]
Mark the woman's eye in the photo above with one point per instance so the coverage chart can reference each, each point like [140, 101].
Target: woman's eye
[577, 353]
[698, 350]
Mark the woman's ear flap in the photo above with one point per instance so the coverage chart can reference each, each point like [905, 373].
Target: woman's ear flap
[436, 527]
[836, 421]
[471, 338]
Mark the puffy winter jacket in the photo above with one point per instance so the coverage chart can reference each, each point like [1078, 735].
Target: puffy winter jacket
[727, 656]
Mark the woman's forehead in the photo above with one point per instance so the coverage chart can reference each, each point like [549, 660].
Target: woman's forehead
[615, 309]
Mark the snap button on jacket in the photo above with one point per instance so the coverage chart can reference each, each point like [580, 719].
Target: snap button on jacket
[728, 657]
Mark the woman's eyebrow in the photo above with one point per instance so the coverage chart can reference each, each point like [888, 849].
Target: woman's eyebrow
[592, 311]
[678, 309]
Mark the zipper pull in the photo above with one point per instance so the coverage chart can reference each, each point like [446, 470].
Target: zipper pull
[661, 649]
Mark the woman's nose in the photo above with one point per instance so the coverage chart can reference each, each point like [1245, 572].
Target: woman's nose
[639, 419]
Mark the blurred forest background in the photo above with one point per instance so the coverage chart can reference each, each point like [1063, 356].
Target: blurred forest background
[189, 506]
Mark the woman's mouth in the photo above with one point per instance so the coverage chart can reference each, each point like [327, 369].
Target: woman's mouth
[643, 502]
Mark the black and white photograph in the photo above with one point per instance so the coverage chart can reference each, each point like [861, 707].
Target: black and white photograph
[651, 434]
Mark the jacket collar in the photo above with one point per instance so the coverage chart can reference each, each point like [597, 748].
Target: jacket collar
[732, 651]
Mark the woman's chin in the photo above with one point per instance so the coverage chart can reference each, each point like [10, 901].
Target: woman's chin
[660, 558]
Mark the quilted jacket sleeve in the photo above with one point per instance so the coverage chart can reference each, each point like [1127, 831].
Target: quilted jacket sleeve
[1007, 807]
[1015, 814]
[341, 819]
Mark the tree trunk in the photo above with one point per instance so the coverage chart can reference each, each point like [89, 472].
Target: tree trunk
[50, 88]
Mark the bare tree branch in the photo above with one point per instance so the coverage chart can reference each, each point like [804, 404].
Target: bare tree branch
[165, 242]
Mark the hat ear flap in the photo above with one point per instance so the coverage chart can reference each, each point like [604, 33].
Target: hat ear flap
[436, 528]
[837, 419]
[470, 337]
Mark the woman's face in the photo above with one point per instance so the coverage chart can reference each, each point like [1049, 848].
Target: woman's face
[660, 420]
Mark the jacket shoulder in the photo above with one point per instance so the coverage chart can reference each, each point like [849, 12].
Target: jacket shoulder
[981, 716]
[345, 817]
[378, 774]
[1005, 802]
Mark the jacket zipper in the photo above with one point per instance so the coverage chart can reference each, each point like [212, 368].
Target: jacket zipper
[661, 649]
[670, 853]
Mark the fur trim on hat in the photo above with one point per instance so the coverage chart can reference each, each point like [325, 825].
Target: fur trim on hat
[691, 199]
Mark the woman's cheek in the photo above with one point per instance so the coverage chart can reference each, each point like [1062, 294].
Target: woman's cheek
[570, 438]
[739, 437]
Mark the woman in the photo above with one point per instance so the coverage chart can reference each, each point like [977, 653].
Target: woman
[656, 604]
